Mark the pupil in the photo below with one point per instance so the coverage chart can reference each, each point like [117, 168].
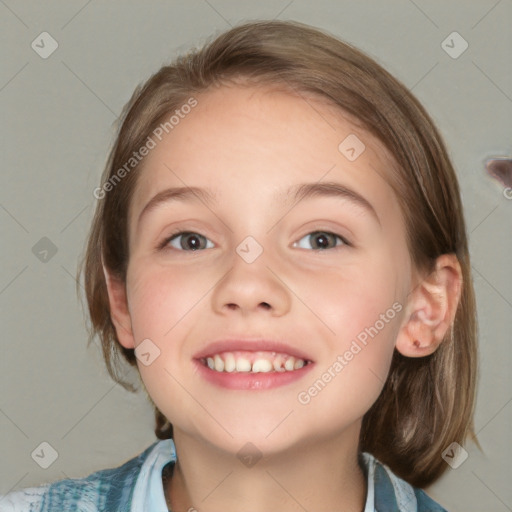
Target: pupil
[193, 242]
[322, 240]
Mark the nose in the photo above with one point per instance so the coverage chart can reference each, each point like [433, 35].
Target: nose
[251, 288]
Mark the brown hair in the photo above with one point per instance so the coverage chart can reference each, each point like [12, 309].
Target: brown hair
[427, 403]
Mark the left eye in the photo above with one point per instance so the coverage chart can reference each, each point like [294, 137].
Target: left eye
[319, 240]
[189, 241]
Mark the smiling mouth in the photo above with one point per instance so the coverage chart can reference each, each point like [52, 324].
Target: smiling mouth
[253, 362]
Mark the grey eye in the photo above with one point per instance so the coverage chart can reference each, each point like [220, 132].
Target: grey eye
[189, 241]
[319, 240]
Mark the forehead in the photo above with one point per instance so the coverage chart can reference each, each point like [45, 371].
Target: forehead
[247, 143]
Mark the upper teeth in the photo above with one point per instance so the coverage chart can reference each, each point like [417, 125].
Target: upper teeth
[261, 362]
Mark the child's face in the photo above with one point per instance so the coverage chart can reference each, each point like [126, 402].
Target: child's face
[249, 147]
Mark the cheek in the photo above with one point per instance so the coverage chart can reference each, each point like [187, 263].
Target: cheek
[163, 304]
[350, 381]
[351, 299]
[360, 308]
[161, 299]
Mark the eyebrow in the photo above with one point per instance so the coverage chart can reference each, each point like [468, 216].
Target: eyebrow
[298, 193]
[177, 194]
[332, 189]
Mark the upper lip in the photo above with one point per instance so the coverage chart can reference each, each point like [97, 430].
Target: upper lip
[250, 345]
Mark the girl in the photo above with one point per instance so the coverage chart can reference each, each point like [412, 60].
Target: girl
[279, 247]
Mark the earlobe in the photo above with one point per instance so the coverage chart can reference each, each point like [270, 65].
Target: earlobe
[119, 312]
[431, 309]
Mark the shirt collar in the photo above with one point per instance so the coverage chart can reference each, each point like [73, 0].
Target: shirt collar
[149, 496]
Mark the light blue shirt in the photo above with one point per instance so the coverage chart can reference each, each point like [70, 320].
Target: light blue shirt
[136, 486]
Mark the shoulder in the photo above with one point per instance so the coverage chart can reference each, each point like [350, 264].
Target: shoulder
[23, 500]
[426, 503]
[107, 489]
[389, 493]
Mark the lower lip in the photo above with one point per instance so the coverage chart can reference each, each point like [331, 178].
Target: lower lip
[251, 381]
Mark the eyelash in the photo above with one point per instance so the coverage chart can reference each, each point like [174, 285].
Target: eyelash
[164, 244]
[344, 241]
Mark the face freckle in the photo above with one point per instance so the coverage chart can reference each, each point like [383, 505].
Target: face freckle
[244, 149]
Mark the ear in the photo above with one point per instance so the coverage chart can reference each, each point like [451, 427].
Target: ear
[431, 309]
[119, 312]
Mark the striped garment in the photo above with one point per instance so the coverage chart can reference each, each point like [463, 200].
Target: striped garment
[136, 486]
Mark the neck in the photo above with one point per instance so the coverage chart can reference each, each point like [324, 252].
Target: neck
[319, 475]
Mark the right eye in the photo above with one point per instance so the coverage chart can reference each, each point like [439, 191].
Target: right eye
[188, 241]
[321, 241]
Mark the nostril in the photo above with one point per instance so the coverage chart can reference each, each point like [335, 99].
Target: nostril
[266, 305]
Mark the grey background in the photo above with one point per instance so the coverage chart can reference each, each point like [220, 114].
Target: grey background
[57, 127]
